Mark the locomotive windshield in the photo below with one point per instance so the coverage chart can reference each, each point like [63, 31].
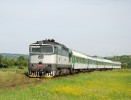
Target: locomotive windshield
[35, 49]
[42, 49]
[46, 49]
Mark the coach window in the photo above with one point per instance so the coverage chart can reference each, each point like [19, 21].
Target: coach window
[79, 60]
[75, 59]
[87, 61]
[99, 63]
[94, 62]
[82, 60]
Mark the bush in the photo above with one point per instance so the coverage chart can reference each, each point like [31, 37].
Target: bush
[21, 62]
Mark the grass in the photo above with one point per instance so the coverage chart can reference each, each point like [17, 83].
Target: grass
[14, 69]
[98, 85]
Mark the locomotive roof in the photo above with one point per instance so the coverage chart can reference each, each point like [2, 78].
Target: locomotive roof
[49, 41]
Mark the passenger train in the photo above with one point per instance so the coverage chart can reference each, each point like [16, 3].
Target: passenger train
[49, 58]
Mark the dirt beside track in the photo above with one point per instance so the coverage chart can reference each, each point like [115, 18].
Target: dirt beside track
[19, 84]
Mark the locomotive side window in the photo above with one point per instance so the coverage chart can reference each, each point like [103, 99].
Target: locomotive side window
[62, 51]
[65, 53]
[55, 50]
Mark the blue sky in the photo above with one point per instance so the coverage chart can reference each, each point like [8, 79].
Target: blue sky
[93, 27]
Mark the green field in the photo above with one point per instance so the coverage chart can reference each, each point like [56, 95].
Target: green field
[97, 85]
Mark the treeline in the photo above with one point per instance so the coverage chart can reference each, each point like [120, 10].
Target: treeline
[125, 60]
[19, 62]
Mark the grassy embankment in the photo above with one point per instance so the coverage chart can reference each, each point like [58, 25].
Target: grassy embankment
[99, 85]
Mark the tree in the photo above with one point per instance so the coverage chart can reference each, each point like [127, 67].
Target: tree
[11, 62]
[1, 60]
[124, 65]
[5, 63]
[22, 62]
[125, 60]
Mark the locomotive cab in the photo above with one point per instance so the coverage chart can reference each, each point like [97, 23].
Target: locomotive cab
[47, 57]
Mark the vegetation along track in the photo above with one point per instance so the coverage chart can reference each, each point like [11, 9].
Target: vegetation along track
[20, 84]
[12, 80]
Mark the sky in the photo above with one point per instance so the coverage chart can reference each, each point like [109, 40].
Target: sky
[93, 27]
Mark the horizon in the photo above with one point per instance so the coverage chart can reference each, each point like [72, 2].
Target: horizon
[77, 51]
